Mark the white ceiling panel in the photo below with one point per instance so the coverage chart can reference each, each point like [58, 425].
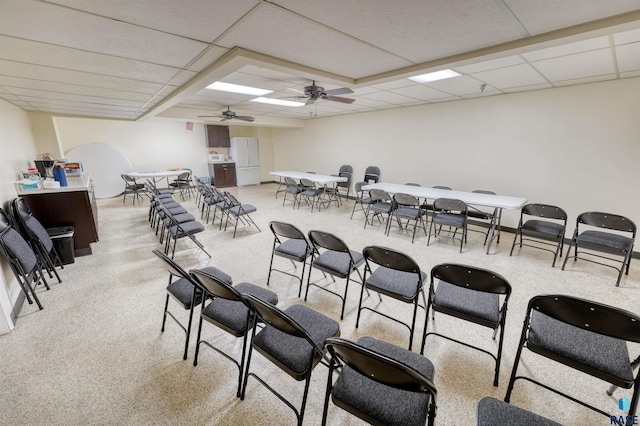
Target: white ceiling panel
[567, 49]
[123, 57]
[627, 37]
[437, 33]
[42, 73]
[628, 56]
[580, 65]
[335, 52]
[510, 77]
[490, 65]
[67, 27]
[199, 20]
[549, 15]
[460, 86]
[32, 52]
[421, 92]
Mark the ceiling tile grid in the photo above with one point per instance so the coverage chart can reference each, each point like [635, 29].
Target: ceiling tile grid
[126, 60]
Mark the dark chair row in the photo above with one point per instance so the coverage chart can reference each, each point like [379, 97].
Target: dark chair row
[171, 220]
[28, 248]
[543, 226]
[226, 207]
[375, 376]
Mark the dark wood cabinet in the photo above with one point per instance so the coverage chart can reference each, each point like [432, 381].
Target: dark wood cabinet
[224, 174]
[218, 136]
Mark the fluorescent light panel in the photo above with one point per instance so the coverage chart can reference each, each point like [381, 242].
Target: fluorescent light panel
[434, 76]
[281, 102]
[236, 88]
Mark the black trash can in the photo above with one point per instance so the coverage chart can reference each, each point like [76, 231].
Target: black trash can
[62, 239]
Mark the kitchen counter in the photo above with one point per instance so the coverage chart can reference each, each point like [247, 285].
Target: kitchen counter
[71, 205]
[75, 183]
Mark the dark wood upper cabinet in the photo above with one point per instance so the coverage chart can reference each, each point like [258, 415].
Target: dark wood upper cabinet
[218, 136]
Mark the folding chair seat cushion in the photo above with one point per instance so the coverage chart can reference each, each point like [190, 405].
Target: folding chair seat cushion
[385, 404]
[294, 249]
[412, 213]
[602, 353]
[231, 315]
[493, 412]
[614, 242]
[180, 218]
[393, 282]
[20, 250]
[292, 353]
[182, 289]
[337, 263]
[186, 228]
[542, 228]
[242, 209]
[483, 305]
[451, 219]
[36, 227]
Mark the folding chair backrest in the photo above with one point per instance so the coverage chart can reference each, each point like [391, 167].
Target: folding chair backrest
[328, 241]
[379, 367]
[379, 195]
[471, 278]
[215, 286]
[405, 200]
[390, 258]
[278, 319]
[286, 230]
[607, 221]
[545, 211]
[372, 173]
[358, 186]
[450, 204]
[590, 316]
[172, 266]
[14, 246]
[31, 225]
[232, 200]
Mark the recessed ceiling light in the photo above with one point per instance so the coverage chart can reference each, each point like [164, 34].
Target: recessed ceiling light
[236, 88]
[434, 76]
[277, 102]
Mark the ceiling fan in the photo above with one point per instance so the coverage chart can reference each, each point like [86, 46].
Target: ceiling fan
[312, 93]
[229, 115]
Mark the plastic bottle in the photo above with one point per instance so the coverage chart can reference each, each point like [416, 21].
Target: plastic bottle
[59, 175]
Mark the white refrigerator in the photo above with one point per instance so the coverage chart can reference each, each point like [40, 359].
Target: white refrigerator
[244, 151]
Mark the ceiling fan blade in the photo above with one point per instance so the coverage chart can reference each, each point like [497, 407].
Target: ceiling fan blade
[339, 99]
[210, 116]
[309, 101]
[294, 90]
[224, 119]
[244, 118]
[341, 91]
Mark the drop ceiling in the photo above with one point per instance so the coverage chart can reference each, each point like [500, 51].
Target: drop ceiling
[123, 59]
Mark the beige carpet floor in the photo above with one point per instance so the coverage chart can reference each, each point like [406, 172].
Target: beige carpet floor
[95, 354]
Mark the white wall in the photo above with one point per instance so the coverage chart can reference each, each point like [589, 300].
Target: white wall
[17, 150]
[577, 147]
[153, 144]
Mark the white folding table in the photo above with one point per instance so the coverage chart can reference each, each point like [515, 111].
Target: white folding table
[497, 202]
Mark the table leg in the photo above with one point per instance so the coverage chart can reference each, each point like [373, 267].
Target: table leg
[494, 232]
[280, 186]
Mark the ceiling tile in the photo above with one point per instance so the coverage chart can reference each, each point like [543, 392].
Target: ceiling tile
[264, 30]
[462, 85]
[389, 97]
[65, 27]
[580, 65]
[628, 56]
[490, 65]
[584, 80]
[38, 53]
[439, 34]
[627, 37]
[567, 49]
[80, 98]
[199, 20]
[206, 58]
[542, 16]
[421, 92]
[511, 77]
[42, 73]
[528, 88]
